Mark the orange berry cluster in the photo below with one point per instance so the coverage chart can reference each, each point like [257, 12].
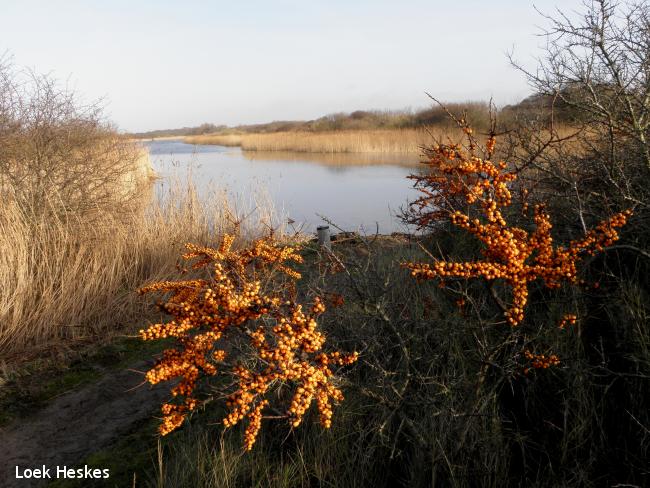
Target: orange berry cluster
[209, 316]
[254, 425]
[457, 176]
[290, 353]
[567, 320]
[511, 253]
[540, 361]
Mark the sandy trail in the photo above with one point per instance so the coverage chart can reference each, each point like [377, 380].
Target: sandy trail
[77, 424]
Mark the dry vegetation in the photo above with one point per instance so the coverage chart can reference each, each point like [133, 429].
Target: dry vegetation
[403, 141]
[78, 229]
[61, 275]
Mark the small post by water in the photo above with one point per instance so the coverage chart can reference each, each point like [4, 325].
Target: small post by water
[324, 236]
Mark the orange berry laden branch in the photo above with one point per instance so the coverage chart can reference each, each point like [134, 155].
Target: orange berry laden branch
[459, 176]
[211, 316]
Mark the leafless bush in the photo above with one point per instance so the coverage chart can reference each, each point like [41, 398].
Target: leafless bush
[56, 152]
[598, 68]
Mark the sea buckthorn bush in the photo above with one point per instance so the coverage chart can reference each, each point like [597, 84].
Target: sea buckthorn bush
[473, 192]
[237, 322]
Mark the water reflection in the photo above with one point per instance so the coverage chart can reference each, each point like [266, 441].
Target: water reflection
[356, 191]
[337, 161]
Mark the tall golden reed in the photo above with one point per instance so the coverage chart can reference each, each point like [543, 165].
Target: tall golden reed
[405, 141]
[65, 280]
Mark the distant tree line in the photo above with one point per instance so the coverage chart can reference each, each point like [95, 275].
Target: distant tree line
[477, 112]
[205, 128]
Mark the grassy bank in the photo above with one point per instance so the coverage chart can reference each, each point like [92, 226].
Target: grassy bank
[401, 141]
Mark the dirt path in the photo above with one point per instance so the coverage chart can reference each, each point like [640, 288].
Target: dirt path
[77, 424]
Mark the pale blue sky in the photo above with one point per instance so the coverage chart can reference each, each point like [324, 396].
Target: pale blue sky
[164, 64]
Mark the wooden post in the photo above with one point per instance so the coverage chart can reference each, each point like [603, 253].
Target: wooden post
[324, 236]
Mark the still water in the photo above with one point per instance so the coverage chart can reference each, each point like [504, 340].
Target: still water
[358, 192]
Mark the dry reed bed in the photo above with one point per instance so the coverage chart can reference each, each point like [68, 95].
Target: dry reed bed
[65, 280]
[405, 141]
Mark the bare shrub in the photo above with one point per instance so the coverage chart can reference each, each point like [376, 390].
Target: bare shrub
[59, 154]
[596, 68]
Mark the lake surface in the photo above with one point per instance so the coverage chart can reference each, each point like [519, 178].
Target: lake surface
[358, 192]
